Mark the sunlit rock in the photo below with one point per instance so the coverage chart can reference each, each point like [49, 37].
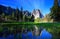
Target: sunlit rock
[37, 13]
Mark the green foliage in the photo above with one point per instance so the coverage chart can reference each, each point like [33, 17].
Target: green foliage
[3, 15]
[38, 20]
[55, 12]
[12, 14]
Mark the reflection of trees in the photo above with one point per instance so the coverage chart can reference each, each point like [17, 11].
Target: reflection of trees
[55, 31]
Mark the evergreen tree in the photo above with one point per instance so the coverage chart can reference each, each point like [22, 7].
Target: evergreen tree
[55, 11]
[3, 15]
[13, 15]
[17, 14]
[32, 18]
[21, 14]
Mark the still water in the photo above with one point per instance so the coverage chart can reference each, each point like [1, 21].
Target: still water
[44, 35]
[35, 34]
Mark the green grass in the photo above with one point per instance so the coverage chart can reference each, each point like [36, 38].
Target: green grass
[31, 23]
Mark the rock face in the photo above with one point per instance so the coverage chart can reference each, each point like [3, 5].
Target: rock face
[37, 13]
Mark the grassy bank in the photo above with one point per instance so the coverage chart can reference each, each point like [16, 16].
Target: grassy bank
[31, 23]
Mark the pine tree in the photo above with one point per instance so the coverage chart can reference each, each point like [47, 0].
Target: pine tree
[55, 11]
[3, 15]
[17, 14]
[21, 14]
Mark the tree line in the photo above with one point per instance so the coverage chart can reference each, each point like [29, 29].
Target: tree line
[10, 14]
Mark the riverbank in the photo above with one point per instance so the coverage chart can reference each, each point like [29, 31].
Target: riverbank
[30, 23]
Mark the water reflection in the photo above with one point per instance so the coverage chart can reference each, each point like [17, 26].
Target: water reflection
[44, 35]
[37, 33]
[27, 33]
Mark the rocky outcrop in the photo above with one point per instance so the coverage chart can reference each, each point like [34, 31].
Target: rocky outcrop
[37, 13]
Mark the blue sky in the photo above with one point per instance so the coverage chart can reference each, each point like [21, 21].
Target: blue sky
[43, 5]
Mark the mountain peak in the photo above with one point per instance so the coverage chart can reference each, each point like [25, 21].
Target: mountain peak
[37, 13]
